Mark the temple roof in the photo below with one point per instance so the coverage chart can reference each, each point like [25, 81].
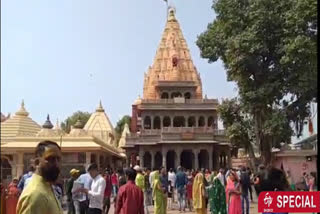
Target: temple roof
[99, 125]
[172, 61]
[125, 133]
[18, 125]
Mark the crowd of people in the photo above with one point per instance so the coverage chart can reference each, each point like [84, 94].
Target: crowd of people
[134, 190]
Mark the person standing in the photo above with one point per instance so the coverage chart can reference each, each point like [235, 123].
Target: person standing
[233, 194]
[251, 182]
[245, 184]
[158, 193]
[198, 194]
[172, 178]
[115, 183]
[164, 184]
[74, 173]
[107, 193]
[181, 182]
[26, 178]
[3, 199]
[12, 197]
[221, 177]
[148, 192]
[38, 196]
[80, 200]
[130, 197]
[139, 178]
[96, 192]
[217, 197]
[189, 192]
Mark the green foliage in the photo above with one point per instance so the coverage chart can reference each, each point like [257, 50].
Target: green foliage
[71, 120]
[269, 49]
[120, 126]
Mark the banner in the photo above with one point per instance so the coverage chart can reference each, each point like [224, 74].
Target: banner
[294, 201]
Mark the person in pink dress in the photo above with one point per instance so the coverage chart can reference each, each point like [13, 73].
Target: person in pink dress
[12, 197]
[233, 194]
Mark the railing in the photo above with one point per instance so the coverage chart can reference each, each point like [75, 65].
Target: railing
[199, 130]
[173, 101]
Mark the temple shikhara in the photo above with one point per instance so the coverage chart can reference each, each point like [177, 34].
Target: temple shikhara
[85, 144]
[173, 124]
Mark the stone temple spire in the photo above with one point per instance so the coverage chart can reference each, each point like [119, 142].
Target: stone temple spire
[172, 61]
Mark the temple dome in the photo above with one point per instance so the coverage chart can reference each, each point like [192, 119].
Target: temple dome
[19, 125]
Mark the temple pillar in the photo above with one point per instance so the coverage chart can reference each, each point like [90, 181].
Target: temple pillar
[196, 158]
[164, 158]
[210, 159]
[228, 156]
[152, 118]
[178, 159]
[88, 160]
[152, 159]
[141, 153]
[19, 165]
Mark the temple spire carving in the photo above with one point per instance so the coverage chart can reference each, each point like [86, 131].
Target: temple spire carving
[172, 61]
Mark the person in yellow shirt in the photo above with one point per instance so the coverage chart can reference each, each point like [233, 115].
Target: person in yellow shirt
[38, 197]
[139, 178]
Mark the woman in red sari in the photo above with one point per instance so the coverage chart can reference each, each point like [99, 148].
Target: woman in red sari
[233, 194]
[3, 196]
[12, 197]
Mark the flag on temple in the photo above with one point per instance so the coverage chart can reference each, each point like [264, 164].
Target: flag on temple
[310, 126]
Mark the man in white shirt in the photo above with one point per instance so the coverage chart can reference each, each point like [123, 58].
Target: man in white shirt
[96, 192]
[80, 200]
[172, 178]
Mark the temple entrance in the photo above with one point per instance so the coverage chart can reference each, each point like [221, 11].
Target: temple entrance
[158, 160]
[171, 157]
[147, 160]
[6, 169]
[187, 159]
[203, 159]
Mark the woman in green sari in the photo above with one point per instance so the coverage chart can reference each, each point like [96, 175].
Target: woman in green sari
[217, 197]
[160, 204]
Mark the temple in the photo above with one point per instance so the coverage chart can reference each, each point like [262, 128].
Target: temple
[85, 144]
[173, 124]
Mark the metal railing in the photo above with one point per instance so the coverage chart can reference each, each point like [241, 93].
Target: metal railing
[172, 101]
[198, 130]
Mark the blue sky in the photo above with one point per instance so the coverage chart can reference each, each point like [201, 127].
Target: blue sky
[65, 55]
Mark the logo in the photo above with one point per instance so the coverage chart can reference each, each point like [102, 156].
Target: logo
[267, 199]
[287, 202]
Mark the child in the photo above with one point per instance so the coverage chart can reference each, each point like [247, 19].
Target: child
[189, 192]
[170, 192]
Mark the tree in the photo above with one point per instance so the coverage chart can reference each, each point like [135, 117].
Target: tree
[71, 120]
[120, 126]
[268, 48]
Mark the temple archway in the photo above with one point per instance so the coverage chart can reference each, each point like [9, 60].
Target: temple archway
[158, 160]
[201, 121]
[156, 123]
[164, 95]
[147, 122]
[210, 121]
[171, 158]
[191, 121]
[187, 95]
[179, 121]
[147, 160]
[187, 159]
[166, 121]
[6, 169]
[203, 159]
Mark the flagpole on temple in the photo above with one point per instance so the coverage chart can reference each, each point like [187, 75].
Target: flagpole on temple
[167, 7]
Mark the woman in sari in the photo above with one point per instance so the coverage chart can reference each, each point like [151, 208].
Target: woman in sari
[198, 194]
[217, 197]
[2, 202]
[160, 202]
[12, 197]
[233, 194]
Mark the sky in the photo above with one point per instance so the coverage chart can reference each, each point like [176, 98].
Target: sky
[65, 55]
[62, 56]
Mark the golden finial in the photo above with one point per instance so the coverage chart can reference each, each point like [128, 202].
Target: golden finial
[22, 111]
[100, 108]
